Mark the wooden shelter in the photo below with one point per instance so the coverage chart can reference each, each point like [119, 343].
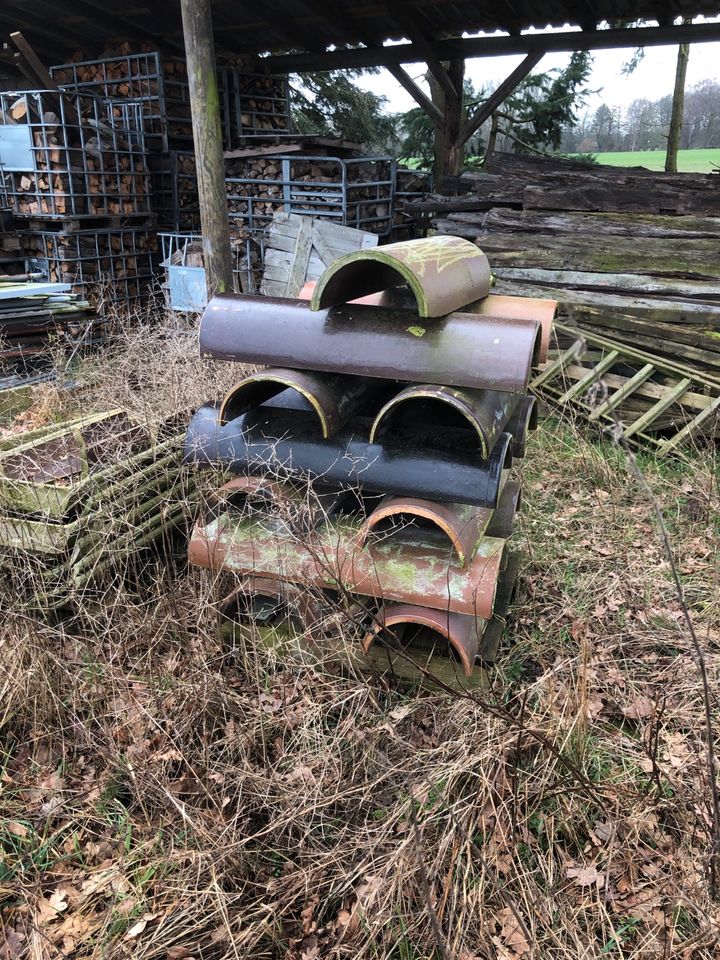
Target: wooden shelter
[310, 35]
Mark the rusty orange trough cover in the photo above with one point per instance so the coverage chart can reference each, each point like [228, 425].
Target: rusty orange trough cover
[444, 273]
[408, 571]
[461, 633]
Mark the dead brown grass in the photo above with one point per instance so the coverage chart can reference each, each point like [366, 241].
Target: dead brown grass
[163, 796]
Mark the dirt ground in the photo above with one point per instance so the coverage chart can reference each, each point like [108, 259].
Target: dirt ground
[163, 797]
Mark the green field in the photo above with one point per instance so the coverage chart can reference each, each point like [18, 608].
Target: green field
[689, 161]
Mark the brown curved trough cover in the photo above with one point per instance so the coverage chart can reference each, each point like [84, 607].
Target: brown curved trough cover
[297, 601]
[334, 398]
[486, 411]
[444, 273]
[457, 349]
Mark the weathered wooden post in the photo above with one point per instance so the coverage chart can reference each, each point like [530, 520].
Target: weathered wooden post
[207, 134]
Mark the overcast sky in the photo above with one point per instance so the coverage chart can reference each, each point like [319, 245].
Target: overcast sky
[653, 78]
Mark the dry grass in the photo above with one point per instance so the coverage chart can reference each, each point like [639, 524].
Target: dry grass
[163, 797]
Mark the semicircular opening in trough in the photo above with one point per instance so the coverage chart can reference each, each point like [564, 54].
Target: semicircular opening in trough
[428, 633]
[270, 389]
[267, 603]
[403, 416]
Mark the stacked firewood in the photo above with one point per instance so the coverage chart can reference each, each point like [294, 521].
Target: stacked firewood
[77, 162]
[250, 103]
[355, 192]
[158, 84]
[115, 262]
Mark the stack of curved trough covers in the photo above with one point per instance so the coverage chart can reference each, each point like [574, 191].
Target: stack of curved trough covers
[372, 454]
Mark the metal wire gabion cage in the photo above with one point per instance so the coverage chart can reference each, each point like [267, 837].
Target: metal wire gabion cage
[66, 155]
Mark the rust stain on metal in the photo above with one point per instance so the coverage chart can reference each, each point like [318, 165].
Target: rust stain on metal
[461, 523]
[461, 633]
[444, 273]
[411, 571]
[456, 350]
[334, 398]
[282, 441]
[486, 412]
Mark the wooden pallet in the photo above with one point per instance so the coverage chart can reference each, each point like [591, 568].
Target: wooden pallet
[652, 401]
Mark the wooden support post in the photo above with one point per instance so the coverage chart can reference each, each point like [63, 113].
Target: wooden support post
[448, 142]
[207, 135]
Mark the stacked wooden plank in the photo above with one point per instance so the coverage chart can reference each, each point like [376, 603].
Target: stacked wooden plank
[39, 318]
[372, 460]
[79, 501]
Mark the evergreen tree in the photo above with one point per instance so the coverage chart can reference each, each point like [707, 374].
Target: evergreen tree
[331, 105]
[532, 119]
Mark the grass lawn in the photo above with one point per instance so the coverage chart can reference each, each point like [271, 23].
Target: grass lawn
[689, 161]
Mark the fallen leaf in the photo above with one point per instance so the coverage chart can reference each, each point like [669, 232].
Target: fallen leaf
[137, 928]
[417, 331]
[639, 708]
[586, 876]
[17, 829]
[511, 933]
[399, 713]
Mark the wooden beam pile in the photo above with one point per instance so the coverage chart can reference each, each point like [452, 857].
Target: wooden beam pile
[630, 255]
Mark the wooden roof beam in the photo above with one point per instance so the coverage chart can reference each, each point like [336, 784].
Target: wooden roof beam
[424, 102]
[486, 109]
[403, 16]
[494, 46]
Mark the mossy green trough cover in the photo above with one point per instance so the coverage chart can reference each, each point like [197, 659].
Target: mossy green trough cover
[444, 274]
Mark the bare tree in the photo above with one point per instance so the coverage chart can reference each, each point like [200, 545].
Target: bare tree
[678, 104]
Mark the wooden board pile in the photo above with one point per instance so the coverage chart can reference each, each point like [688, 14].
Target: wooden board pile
[114, 264]
[79, 501]
[63, 156]
[37, 319]
[640, 398]
[405, 422]
[300, 249]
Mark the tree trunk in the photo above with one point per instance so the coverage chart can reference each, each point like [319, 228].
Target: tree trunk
[207, 134]
[678, 104]
[492, 138]
[448, 146]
